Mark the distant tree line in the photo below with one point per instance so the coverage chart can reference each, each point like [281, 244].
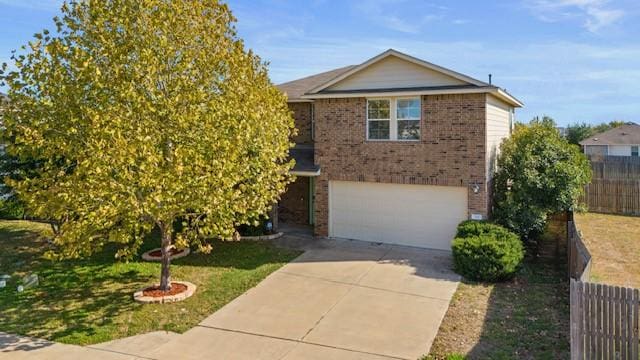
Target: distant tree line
[579, 131]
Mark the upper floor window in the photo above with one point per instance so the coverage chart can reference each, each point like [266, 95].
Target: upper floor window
[634, 151]
[393, 119]
[408, 117]
[378, 119]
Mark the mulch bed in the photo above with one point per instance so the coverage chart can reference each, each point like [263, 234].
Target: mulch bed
[173, 251]
[154, 291]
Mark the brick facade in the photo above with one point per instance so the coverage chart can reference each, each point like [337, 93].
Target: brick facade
[302, 116]
[451, 150]
[293, 207]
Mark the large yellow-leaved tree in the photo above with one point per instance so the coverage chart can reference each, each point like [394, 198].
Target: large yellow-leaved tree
[145, 114]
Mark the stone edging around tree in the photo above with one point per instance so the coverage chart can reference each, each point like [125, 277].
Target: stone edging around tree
[148, 257]
[262, 237]
[141, 298]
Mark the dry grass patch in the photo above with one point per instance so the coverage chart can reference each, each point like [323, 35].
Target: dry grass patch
[614, 243]
[525, 318]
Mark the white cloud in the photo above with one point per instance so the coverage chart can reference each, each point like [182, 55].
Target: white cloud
[594, 14]
[460, 22]
[390, 14]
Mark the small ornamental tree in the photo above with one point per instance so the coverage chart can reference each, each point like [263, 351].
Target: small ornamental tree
[539, 173]
[149, 114]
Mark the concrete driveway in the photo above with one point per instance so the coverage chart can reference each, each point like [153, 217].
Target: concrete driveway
[339, 300]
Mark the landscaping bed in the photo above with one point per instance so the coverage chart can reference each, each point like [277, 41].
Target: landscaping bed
[524, 318]
[614, 244]
[89, 301]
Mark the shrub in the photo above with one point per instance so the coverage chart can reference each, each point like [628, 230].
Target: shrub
[257, 228]
[11, 209]
[475, 228]
[486, 252]
[539, 173]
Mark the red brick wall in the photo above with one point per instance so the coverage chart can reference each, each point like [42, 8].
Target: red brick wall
[294, 204]
[451, 150]
[302, 116]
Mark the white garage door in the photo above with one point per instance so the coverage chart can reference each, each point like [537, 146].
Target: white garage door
[415, 215]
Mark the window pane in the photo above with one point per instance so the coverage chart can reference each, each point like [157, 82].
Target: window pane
[379, 109]
[634, 151]
[379, 130]
[408, 108]
[408, 129]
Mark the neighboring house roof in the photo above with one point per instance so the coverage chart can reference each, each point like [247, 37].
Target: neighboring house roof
[296, 88]
[628, 134]
[328, 85]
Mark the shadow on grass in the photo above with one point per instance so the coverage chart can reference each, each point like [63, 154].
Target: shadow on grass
[528, 317]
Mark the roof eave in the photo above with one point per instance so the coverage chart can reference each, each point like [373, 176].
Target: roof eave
[503, 95]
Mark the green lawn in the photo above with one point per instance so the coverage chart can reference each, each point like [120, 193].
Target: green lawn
[525, 318]
[90, 301]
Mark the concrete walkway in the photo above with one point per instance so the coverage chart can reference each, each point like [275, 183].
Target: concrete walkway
[339, 300]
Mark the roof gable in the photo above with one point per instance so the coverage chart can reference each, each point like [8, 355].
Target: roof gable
[395, 69]
[391, 73]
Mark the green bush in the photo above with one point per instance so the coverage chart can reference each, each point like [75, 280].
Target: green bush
[539, 173]
[253, 229]
[475, 228]
[486, 252]
[11, 209]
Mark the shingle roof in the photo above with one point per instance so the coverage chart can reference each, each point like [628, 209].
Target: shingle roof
[628, 134]
[296, 88]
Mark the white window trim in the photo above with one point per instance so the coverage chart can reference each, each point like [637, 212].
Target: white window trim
[393, 118]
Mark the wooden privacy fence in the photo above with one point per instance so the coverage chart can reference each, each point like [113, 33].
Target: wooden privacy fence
[615, 167]
[578, 255]
[613, 196]
[604, 321]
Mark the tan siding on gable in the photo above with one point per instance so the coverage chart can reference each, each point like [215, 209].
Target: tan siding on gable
[393, 72]
[498, 128]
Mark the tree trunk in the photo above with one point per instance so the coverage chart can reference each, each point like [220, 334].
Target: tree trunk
[165, 276]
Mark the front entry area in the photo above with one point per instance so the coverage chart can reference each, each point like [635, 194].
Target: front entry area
[415, 215]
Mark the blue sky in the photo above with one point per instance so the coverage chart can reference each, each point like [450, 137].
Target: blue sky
[575, 60]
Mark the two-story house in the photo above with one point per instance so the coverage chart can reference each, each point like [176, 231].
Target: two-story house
[394, 150]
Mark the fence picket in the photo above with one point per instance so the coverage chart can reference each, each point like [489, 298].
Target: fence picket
[611, 349]
[599, 312]
[629, 322]
[635, 339]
